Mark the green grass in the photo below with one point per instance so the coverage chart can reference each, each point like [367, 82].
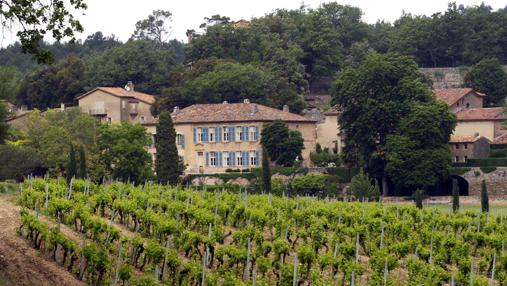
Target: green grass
[493, 209]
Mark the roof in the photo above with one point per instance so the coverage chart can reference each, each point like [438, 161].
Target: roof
[465, 138]
[501, 140]
[481, 114]
[234, 112]
[452, 95]
[121, 92]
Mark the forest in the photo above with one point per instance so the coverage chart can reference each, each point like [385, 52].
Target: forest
[287, 52]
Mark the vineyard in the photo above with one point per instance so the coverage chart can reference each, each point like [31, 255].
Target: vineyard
[155, 234]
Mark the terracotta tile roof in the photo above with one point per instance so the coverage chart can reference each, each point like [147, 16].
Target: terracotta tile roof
[476, 114]
[464, 138]
[501, 140]
[234, 112]
[121, 92]
[452, 95]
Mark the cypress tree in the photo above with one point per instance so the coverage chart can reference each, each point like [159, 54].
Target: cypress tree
[418, 199]
[166, 160]
[484, 197]
[82, 163]
[71, 164]
[266, 171]
[455, 195]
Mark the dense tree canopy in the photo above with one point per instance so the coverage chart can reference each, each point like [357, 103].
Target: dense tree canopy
[282, 145]
[489, 77]
[385, 96]
[154, 28]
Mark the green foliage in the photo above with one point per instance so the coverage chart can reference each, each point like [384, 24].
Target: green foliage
[19, 162]
[266, 171]
[123, 151]
[278, 187]
[282, 145]
[483, 162]
[488, 77]
[484, 197]
[458, 170]
[71, 164]
[154, 28]
[418, 198]
[4, 127]
[38, 18]
[310, 184]
[10, 80]
[54, 84]
[455, 195]
[82, 173]
[362, 188]
[167, 160]
[487, 169]
[324, 158]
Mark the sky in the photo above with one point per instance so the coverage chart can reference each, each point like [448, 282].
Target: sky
[118, 17]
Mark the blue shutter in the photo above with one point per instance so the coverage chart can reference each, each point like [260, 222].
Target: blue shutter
[195, 135]
[256, 133]
[206, 163]
[218, 134]
[232, 134]
[232, 155]
[246, 133]
[257, 158]
[182, 141]
[205, 134]
[219, 157]
[245, 158]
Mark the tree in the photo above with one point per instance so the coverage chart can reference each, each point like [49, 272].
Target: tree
[418, 156]
[135, 61]
[82, 174]
[418, 198]
[484, 197]
[455, 195]
[123, 153]
[362, 188]
[18, 162]
[10, 80]
[375, 97]
[310, 184]
[282, 145]
[167, 160]
[49, 86]
[154, 28]
[489, 77]
[4, 127]
[38, 18]
[71, 164]
[266, 171]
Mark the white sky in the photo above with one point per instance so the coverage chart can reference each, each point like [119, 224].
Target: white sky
[118, 17]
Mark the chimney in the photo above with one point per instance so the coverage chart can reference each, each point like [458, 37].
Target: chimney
[176, 110]
[285, 108]
[62, 106]
[129, 86]
[246, 100]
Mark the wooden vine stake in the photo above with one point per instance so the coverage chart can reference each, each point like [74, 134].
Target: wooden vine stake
[492, 281]
[82, 259]
[357, 247]
[385, 272]
[118, 264]
[164, 266]
[246, 275]
[472, 272]
[46, 202]
[294, 277]
[352, 278]
[382, 237]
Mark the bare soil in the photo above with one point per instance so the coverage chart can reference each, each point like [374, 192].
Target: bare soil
[20, 263]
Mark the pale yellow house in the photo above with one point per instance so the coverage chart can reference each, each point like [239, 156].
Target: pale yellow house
[487, 122]
[116, 104]
[212, 138]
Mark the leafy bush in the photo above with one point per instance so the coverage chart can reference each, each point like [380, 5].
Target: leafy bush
[19, 162]
[310, 184]
[362, 188]
[324, 158]
[498, 153]
[482, 162]
[487, 169]
[459, 170]
[342, 173]
[278, 186]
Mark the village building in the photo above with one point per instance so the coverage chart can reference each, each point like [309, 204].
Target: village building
[329, 135]
[460, 98]
[215, 138]
[468, 147]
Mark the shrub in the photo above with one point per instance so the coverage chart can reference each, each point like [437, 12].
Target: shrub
[325, 159]
[362, 188]
[418, 198]
[487, 169]
[310, 184]
[278, 186]
[18, 162]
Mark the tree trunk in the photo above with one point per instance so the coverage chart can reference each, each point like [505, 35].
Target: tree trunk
[385, 190]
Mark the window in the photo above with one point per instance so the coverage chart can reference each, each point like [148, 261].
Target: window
[226, 159]
[239, 133]
[252, 133]
[200, 158]
[211, 135]
[456, 159]
[180, 140]
[109, 120]
[465, 146]
[456, 146]
[141, 119]
[153, 140]
[239, 159]
[253, 158]
[465, 158]
[468, 105]
[200, 135]
[213, 159]
[225, 133]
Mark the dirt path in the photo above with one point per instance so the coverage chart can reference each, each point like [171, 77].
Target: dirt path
[20, 264]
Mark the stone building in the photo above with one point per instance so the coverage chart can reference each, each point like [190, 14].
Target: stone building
[468, 147]
[212, 138]
[460, 98]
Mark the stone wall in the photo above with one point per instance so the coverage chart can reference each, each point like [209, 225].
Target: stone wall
[496, 182]
[448, 77]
